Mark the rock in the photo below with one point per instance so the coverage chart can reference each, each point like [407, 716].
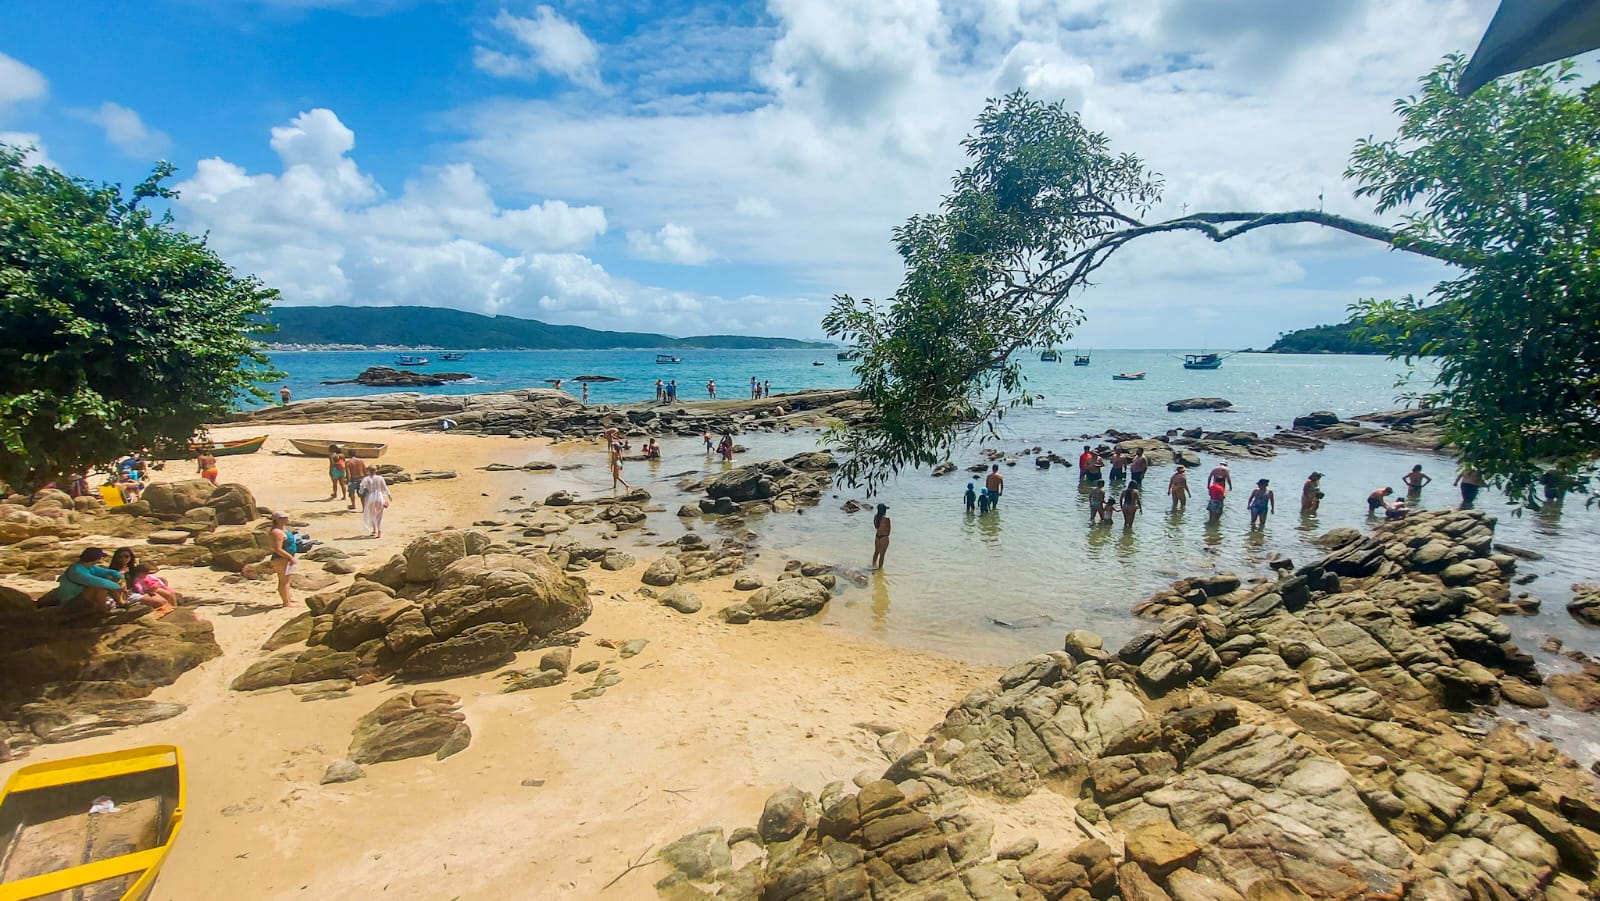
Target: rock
[474, 650]
[1083, 644]
[342, 771]
[1585, 604]
[681, 599]
[663, 572]
[789, 599]
[167, 536]
[1159, 848]
[699, 855]
[784, 815]
[233, 503]
[747, 583]
[1522, 694]
[388, 377]
[411, 725]
[560, 499]
[178, 497]
[615, 561]
[428, 556]
[1318, 420]
[1198, 403]
[1018, 849]
[1186, 885]
[632, 647]
[1135, 885]
[557, 659]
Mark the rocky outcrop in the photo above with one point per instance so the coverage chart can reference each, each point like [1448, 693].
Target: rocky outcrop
[1198, 403]
[415, 724]
[788, 599]
[445, 607]
[1585, 604]
[1403, 429]
[387, 377]
[771, 485]
[1312, 737]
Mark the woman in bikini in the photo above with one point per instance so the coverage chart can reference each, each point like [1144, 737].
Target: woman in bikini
[206, 465]
[880, 535]
[336, 473]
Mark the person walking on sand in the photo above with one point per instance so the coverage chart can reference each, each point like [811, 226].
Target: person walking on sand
[285, 395]
[1375, 500]
[1178, 488]
[375, 499]
[355, 472]
[995, 484]
[1137, 467]
[1131, 504]
[206, 464]
[1221, 474]
[1311, 495]
[616, 475]
[336, 471]
[1415, 479]
[1261, 500]
[880, 535]
[1471, 482]
[283, 556]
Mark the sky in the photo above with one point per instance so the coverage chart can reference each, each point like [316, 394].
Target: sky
[720, 167]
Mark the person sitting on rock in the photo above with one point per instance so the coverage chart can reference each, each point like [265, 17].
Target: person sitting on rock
[153, 590]
[130, 487]
[86, 585]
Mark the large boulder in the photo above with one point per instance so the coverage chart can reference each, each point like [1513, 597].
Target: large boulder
[474, 650]
[411, 725]
[788, 599]
[1198, 403]
[178, 497]
[234, 549]
[429, 555]
[747, 483]
[233, 503]
[530, 591]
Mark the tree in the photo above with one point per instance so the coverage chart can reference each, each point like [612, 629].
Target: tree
[119, 330]
[1044, 203]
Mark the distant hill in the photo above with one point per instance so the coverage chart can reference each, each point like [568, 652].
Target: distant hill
[440, 327]
[1340, 338]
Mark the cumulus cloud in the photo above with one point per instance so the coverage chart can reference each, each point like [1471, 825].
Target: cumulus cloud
[546, 43]
[671, 243]
[126, 130]
[36, 153]
[19, 82]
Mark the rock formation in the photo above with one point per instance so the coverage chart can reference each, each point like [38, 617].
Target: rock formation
[1402, 429]
[1313, 737]
[1198, 403]
[387, 377]
[771, 485]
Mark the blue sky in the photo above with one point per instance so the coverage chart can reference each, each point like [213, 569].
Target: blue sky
[717, 167]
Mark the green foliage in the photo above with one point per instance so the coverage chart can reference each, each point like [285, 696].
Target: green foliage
[1356, 336]
[1511, 177]
[986, 276]
[120, 331]
[438, 327]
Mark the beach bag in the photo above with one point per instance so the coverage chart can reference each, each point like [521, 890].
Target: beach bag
[293, 542]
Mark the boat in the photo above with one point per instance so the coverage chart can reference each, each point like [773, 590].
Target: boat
[98, 826]
[818, 363]
[228, 448]
[1080, 359]
[1202, 361]
[312, 447]
[668, 358]
[410, 360]
[1128, 377]
[454, 356]
[846, 356]
[1049, 356]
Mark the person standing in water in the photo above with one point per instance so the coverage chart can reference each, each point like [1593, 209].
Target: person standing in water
[711, 388]
[1097, 501]
[1471, 482]
[1376, 500]
[1415, 479]
[1131, 504]
[1311, 495]
[616, 475]
[1261, 500]
[995, 484]
[1178, 488]
[880, 535]
[1137, 467]
[1217, 492]
[972, 497]
[1119, 465]
[1221, 474]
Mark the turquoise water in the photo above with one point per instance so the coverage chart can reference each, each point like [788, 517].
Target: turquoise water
[1036, 565]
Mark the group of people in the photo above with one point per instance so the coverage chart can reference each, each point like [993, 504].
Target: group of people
[760, 389]
[353, 480]
[88, 586]
[667, 391]
[994, 485]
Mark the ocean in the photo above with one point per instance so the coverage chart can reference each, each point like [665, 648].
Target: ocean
[995, 587]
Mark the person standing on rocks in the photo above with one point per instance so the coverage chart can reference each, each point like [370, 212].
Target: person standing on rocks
[283, 556]
[1261, 500]
[995, 484]
[336, 473]
[754, 385]
[672, 391]
[1178, 488]
[1471, 482]
[1311, 495]
[880, 535]
[585, 399]
[355, 471]
[766, 388]
[661, 391]
[1137, 467]
[1131, 504]
[375, 501]
[284, 395]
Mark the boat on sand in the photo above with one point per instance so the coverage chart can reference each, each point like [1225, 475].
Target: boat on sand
[229, 448]
[315, 447]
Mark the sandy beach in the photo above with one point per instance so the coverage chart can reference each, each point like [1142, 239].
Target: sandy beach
[554, 798]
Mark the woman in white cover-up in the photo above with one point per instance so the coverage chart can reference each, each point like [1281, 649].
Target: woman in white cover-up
[375, 497]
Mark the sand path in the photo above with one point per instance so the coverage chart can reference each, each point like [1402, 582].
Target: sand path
[554, 798]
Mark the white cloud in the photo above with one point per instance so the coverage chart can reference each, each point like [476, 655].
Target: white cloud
[547, 43]
[671, 243]
[39, 155]
[19, 82]
[755, 208]
[1369, 281]
[126, 130]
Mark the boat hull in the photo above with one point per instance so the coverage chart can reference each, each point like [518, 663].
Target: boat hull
[311, 447]
[231, 448]
[1215, 365]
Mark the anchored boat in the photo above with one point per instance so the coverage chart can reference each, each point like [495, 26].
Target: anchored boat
[98, 826]
[1202, 361]
[1128, 377]
[410, 360]
[453, 356]
[668, 358]
[1080, 359]
[1049, 356]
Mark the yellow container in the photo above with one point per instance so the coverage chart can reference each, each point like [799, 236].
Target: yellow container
[112, 495]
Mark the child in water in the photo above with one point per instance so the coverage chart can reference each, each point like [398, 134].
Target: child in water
[972, 497]
[983, 501]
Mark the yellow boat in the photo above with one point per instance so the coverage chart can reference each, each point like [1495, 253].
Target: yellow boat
[93, 828]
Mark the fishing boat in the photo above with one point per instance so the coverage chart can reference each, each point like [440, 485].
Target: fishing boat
[1128, 377]
[454, 356]
[846, 356]
[98, 826]
[1202, 361]
[1080, 359]
[312, 447]
[410, 360]
[1049, 356]
[668, 358]
[229, 448]
[818, 363]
